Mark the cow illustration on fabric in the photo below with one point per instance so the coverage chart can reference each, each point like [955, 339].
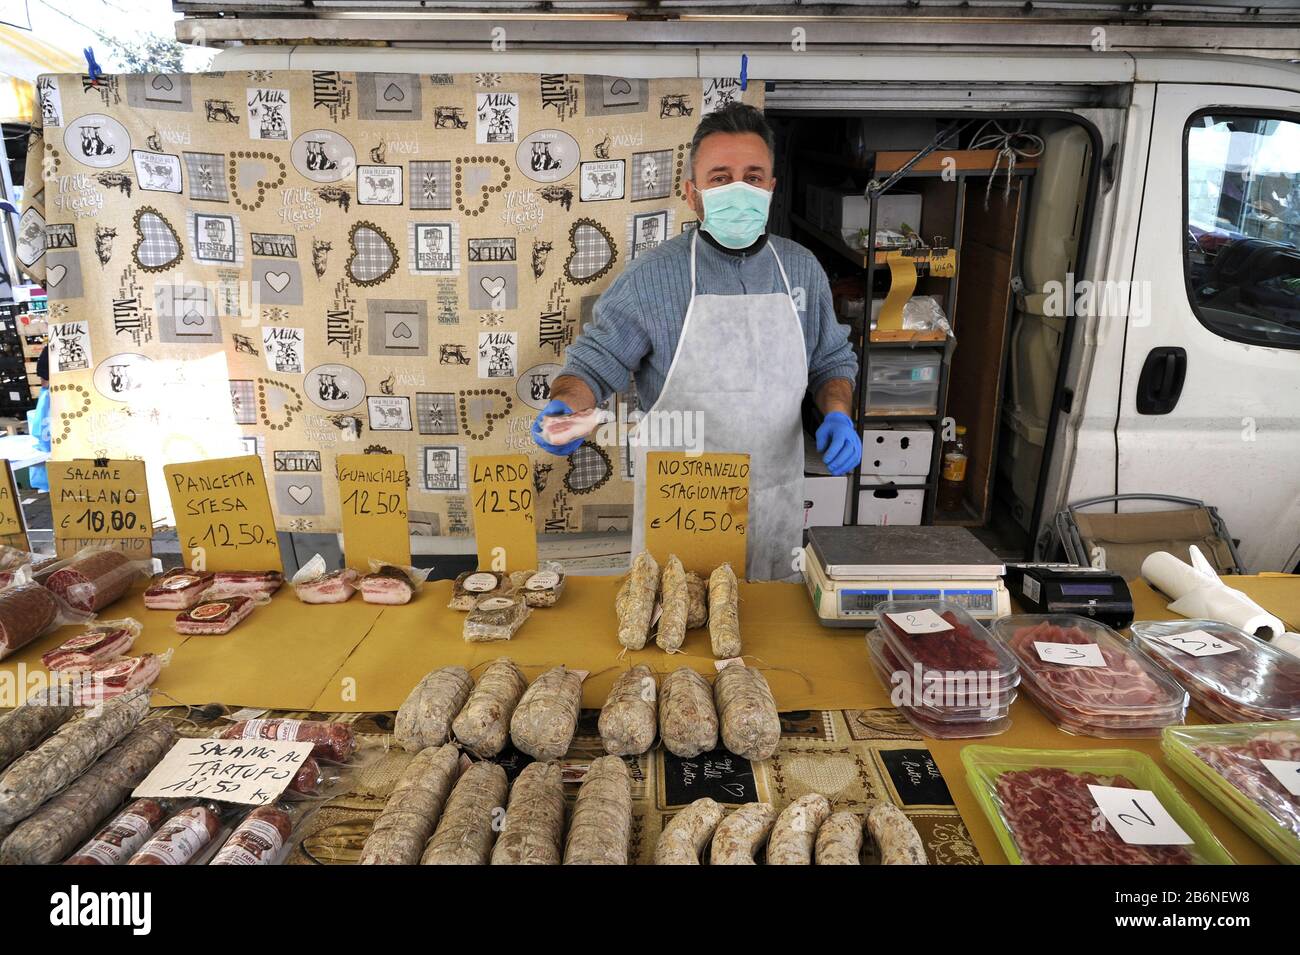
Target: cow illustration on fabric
[317, 159]
[320, 251]
[104, 237]
[221, 111]
[92, 144]
[542, 159]
[329, 390]
[452, 117]
[540, 252]
[500, 128]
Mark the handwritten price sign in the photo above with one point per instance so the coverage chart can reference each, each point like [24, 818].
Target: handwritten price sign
[13, 531]
[502, 496]
[248, 771]
[223, 514]
[697, 508]
[100, 503]
[372, 498]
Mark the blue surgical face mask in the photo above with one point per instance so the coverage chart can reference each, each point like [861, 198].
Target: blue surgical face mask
[735, 214]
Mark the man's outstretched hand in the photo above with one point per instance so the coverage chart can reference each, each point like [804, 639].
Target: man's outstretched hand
[838, 442]
[563, 450]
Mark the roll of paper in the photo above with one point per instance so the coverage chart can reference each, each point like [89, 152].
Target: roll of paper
[1201, 595]
[1289, 642]
[1173, 577]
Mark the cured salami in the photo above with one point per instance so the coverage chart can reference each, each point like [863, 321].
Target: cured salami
[93, 580]
[258, 838]
[602, 817]
[483, 724]
[469, 823]
[26, 612]
[413, 809]
[180, 839]
[425, 716]
[334, 741]
[23, 727]
[687, 833]
[747, 713]
[627, 720]
[534, 822]
[126, 833]
[688, 720]
[542, 724]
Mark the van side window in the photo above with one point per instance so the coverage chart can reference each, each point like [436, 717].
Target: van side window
[1242, 212]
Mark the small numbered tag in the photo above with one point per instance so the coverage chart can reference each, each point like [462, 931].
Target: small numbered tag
[919, 621]
[1138, 817]
[1198, 643]
[1071, 654]
[1287, 772]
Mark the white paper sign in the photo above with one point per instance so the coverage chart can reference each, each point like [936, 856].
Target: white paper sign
[919, 621]
[1070, 654]
[1138, 817]
[1287, 772]
[248, 771]
[1198, 643]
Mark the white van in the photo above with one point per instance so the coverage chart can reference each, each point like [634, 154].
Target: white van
[1127, 303]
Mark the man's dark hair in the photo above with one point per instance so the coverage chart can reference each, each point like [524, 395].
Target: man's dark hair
[733, 118]
[43, 364]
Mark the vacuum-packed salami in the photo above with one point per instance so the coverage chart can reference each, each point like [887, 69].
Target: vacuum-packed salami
[747, 713]
[94, 579]
[124, 834]
[688, 720]
[258, 838]
[413, 809]
[469, 823]
[425, 716]
[334, 741]
[483, 724]
[534, 822]
[180, 839]
[627, 720]
[23, 727]
[67, 820]
[26, 612]
[601, 827]
[687, 833]
[543, 723]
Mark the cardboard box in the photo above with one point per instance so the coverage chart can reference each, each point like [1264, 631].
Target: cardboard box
[888, 505]
[899, 450]
[824, 499]
[851, 211]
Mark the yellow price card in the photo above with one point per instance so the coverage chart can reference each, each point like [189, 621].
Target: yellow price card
[13, 529]
[223, 514]
[697, 507]
[100, 503]
[502, 497]
[372, 499]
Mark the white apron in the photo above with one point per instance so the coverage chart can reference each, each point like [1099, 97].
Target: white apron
[742, 369]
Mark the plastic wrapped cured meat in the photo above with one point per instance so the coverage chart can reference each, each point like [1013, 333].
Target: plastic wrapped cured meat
[259, 839]
[107, 680]
[628, 718]
[688, 720]
[391, 584]
[473, 585]
[252, 583]
[539, 588]
[413, 808]
[751, 726]
[94, 578]
[562, 429]
[214, 616]
[425, 716]
[314, 583]
[334, 741]
[123, 836]
[99, 644]
[26, 612]
[543, 723]
[496, 617]
[1232, 676]
[176, 589]
[601, 827]
[181, 839]
[483, 724]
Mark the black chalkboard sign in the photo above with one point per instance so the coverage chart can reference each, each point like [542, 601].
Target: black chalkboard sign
[720, 775]
[916, 777]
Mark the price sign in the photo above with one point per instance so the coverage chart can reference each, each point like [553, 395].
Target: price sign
[372, 498]
[919, 621]
[1070, 654]
[697, 507]
[101, 503]
[1138, 817]
[248, 771]
[1198, 643]
[223, 514]
[501, 494]
[13, 530]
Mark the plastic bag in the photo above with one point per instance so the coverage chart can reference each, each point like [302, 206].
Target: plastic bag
[315, 583]
[29, 611]
[540, 588]
[473, 585]
[561, 429]
[100, 643]
[496, 618]
[392, 583]
[107, 680]
[94, 578]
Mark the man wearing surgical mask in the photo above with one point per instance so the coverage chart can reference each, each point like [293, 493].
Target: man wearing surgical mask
[730, 326]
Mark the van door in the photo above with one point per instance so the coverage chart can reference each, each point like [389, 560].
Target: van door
[1210, 400]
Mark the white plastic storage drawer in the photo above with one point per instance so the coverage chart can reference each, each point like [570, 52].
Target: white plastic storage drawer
[904, 382]
[889, 505]
[903, 450]
[824, 500]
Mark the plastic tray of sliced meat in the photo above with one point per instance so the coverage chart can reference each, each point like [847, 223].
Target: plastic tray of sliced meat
[1101, 686]
[947, 654]
[1043, 812]
[926, 712]
[1239, 768]
[1245, 683]
[176, 589]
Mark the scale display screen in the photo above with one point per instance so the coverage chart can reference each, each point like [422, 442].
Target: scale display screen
[1087, 590]
[974, 601]
[861, 603]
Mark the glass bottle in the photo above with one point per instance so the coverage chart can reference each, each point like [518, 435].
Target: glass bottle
[952, 477]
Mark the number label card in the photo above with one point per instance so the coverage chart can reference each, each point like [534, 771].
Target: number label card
[502, 496]
[248, 771]
[917, 622]
[1287, 772]
[13, 529]
[223, 514]
[697, 507]
[1070, 654]
[1198, 643]
[100, 503]
[1138, 817]
[372, 500]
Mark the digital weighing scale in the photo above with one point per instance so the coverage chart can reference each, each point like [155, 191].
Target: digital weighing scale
[1066, 588]
[852, 570]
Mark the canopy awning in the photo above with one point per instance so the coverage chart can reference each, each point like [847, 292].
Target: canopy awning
[24, 57]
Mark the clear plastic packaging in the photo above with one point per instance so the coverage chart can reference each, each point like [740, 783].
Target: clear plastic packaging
[94, 578]
[29, 611]
[539, 588]
[953, 653]
[256, 583]
[107, 680]
[315, 583]
[562, 429]
[1250, 683]
[102, 641]
[496, 618]
[1043, 813]
[176, 589]
[1225, 764]
[217, 614]
[15, 576]
[1126, 696]
[473, 585]
[392, 583]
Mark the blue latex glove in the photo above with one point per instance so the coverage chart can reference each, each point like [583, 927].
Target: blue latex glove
[563, 450]
[839, 443]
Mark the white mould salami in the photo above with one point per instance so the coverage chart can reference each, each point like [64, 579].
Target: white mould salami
[483, 724]
[601, 827]
[412, 811]
[534, 822]
[66, 755]
[747, 713]
[71, 817]
[687, 833]
[740, 835]
[469, 822]
[635, 602]
[674, 601]
[795, 831]
[425, 717]
[688, 721]
[839, 840]
[697, 600]
[724, 612]
[542, 724]
[25, 726]
[895, 836]
[627, 720]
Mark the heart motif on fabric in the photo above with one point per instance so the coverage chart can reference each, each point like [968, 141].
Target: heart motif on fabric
[162, 82]
[493, 285]
[592, 251]
[831, 777]
[481, 408]
[301, 493]
[278, 280]
[249, 172]
[157, 246]
[277, 396]
[473, 177]
[54, 275]
[393, 93]
[402, 330]
[589, 468]
[620, 87]
[192, 318]
[374, 255]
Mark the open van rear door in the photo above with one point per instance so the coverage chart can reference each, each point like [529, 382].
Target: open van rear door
[1210, 401]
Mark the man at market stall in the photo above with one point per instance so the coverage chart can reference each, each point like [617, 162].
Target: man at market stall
[730, 326]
